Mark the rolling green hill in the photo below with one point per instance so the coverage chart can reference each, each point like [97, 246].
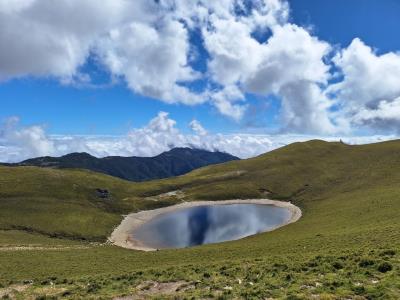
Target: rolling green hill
[346, 244]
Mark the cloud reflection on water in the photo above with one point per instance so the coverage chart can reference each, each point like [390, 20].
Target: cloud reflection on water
[209, 224]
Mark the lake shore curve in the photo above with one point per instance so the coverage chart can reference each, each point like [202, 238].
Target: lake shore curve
[121, 236]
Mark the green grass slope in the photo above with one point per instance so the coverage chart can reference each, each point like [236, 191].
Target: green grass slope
[345, 246]
[64, 203]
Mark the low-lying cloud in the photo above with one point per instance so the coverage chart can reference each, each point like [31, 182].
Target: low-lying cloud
[160, 134]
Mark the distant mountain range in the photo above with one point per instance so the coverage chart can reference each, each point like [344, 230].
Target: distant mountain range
[175, 162]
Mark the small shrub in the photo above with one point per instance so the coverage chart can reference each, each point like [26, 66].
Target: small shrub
[93, 287]
[294, 297]
[388, 253]
[45, 282]
[359, 290]
[312, 264]
[25, 282]
[385, 267]
[336, 284]
[337, 265]
[365, 262]
[66, 293]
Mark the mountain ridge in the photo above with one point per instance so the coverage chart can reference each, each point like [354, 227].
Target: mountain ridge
[175, 162]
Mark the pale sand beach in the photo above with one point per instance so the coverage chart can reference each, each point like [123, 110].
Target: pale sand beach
[122, 237]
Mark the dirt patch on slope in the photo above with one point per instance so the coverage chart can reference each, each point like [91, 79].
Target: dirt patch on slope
[150, 289]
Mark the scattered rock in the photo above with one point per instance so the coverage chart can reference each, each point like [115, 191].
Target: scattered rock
[103, 193]
[306, 287]
[172, 195]
[265, 191]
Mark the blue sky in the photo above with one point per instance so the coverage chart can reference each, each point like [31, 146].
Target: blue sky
[108, 72]
[340, 21]
[115, 109]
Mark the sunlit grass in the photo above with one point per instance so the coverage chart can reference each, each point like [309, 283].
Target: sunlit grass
[347, 243]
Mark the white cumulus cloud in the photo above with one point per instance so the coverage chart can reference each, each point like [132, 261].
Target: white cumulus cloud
[251, 48]
[197, 128]
[147, 44]
[161, 134]
[20, 142]
[370, 90]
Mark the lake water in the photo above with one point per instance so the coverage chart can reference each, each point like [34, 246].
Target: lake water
[209, 224]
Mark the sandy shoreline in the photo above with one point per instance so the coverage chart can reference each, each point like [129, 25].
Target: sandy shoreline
[121, 235]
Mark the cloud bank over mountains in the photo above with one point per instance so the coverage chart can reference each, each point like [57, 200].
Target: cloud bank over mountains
[250, 46]
[160, 134]
[195, 52]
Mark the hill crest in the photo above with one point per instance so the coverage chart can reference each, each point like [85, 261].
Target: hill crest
[174, 162]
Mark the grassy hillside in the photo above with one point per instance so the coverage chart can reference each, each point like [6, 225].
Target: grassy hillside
[346, 245]
[67, 204]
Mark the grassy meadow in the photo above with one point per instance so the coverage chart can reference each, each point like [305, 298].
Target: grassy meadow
[54, 228]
